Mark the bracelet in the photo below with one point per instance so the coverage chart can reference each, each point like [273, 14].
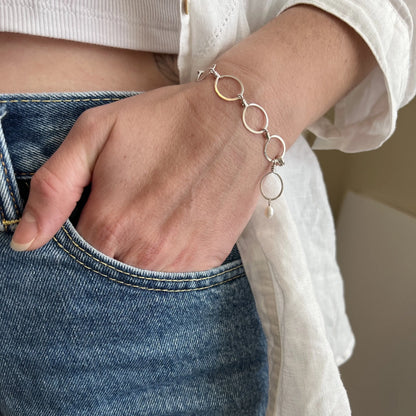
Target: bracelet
[271, 184]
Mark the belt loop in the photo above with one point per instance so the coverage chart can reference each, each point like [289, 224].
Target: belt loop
[11, 205]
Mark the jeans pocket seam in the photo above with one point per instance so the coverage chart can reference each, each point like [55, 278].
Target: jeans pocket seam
[102, 263]
[143, 287]
[74, 243]
[69, 100]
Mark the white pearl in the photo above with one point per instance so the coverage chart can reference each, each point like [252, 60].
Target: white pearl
[269, 211]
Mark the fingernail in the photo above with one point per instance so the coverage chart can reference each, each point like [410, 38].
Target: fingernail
[25, 233]
[20, 247]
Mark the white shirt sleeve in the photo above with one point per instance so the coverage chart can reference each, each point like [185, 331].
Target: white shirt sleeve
[366, 117]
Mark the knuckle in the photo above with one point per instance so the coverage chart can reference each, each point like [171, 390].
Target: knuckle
[89, 120]
[45, 183]
[94, 124]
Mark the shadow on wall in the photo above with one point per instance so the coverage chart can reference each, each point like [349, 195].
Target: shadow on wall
[376, 253]
[376, 229]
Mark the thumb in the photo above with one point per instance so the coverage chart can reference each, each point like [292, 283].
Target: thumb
[58, 184]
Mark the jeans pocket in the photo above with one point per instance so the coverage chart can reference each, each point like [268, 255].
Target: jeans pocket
[70, 243]
[88, 332]
[85, 334]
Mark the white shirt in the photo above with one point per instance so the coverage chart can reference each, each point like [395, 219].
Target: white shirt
[290, 259]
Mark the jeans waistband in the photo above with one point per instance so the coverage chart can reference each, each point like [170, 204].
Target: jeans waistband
[32, 127]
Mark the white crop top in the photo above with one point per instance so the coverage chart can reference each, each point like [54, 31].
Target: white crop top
[148, 25]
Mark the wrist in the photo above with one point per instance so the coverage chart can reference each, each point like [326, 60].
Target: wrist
[298, 66]
[255, 120]
[271, 94]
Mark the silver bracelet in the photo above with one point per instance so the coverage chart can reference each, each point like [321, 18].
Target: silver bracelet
[271, 185]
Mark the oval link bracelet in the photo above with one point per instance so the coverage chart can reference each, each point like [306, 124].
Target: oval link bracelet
[271, 184]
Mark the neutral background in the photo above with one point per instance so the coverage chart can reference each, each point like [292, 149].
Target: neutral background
[376, 227]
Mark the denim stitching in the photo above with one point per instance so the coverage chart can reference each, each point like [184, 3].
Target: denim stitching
[74, 100]
[6, 173]
[3, 219]
[136, 275]
[142, 287]
[24, 173]
[11, 222]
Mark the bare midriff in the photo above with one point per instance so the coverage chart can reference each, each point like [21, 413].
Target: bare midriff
[39, 64]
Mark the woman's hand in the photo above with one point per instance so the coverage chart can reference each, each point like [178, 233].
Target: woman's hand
[172, 184]
[174, 173]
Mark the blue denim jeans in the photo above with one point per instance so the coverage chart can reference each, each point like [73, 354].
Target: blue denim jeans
[83, 334]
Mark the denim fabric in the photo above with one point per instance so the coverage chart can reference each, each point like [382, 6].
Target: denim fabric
[83, 334]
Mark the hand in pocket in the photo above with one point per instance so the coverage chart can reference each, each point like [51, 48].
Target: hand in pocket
[173, 184]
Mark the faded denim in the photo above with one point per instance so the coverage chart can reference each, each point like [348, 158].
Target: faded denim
[83, 334]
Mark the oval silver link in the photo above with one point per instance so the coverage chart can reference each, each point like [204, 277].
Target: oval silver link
[278, 193]
[237, 97]
[266, 117]
[278, 157]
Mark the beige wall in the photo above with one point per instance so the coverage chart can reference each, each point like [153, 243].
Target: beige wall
[378, 269]
[376, 253]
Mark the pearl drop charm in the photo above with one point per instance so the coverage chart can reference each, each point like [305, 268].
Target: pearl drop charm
[269, 211]
[271, 187]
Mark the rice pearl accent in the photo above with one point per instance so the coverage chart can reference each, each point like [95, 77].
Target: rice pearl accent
[269, 211]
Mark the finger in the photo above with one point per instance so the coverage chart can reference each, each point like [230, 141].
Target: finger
[58, 184]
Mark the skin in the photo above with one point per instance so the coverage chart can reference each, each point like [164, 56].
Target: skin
[61, 65]
[172, 190]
